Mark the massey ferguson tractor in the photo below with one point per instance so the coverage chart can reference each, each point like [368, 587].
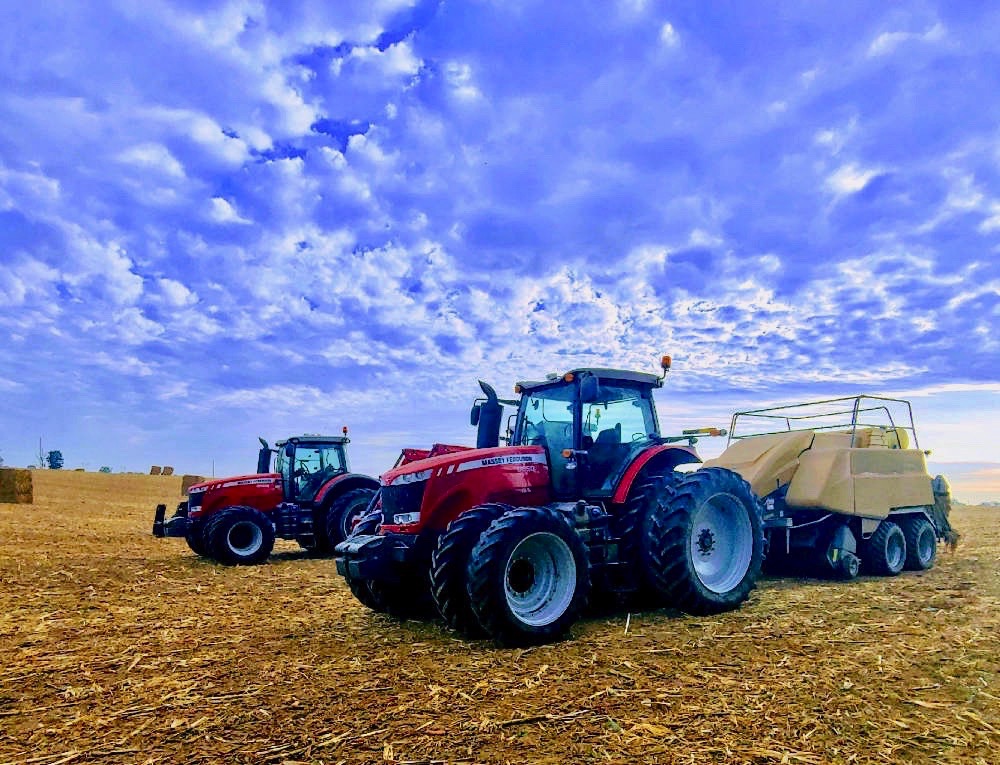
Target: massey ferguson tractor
[842, 490]
[509, 542]
[310, 497]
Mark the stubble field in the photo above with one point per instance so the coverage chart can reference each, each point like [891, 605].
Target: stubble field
[119, 648]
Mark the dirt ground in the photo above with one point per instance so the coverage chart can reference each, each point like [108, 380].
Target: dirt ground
[120, 648]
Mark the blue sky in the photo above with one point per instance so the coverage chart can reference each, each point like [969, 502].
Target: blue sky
[224, 219]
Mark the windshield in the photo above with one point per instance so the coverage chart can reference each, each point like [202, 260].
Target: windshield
[623, 415]
[313, 466]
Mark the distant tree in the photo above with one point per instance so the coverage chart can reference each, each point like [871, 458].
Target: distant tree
[105, 469]
[54, 459]
[1, 461]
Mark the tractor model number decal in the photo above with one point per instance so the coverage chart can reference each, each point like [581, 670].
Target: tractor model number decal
[247, 482]
[507, 459]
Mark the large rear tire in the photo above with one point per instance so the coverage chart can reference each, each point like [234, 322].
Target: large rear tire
[342, 514]
[705, 546]
[450, 564]
[645, 498]
[921, 543]
[885, 552]
[529, 577]
[239, 536]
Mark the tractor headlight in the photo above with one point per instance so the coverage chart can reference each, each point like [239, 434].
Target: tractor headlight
[401, 519]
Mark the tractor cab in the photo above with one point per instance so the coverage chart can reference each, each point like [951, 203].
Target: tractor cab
[591, 422]
[307, 463]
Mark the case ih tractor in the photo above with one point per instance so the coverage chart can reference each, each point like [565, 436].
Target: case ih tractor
[310, 497]
[510, 541]
[841, 489]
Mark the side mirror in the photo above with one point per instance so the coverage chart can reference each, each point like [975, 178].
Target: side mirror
[474, 414]
[590, 389]
[289, 450]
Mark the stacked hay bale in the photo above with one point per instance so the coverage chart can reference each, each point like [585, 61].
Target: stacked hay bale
[167, 470]
[188, 480]
[154, 470]
[16, 486]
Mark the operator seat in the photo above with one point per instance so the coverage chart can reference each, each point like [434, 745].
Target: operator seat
[604, 455]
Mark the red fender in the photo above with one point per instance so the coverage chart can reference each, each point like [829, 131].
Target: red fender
[363, 481]
[685, 454]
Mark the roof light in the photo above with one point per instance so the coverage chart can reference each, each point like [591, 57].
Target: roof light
[665, 363]
[345, 430]
[568, 377]
[518, 388]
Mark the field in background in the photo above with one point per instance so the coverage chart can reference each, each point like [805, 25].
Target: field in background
[119, 648]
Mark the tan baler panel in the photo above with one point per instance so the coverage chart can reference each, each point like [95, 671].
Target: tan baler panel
[888, 478]
[867, 482]
[823, 480]
[765, 462]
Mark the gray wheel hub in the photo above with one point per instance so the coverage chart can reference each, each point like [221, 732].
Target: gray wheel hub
[895, 551]
[540, 579]
[926, 544]
[721, 546]
[244, 538]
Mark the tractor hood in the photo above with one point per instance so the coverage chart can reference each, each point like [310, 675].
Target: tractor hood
[429, 493]
[251, 479]
[461, 461]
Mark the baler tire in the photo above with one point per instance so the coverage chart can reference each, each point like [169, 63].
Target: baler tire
[885, 551]
[631, 526]
[450, 564]
[706, 506]
[338, 520]
[921, 543]
[525, 547]
[219, 541]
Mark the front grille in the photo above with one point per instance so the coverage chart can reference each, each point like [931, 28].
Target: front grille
[194, 500]
[401, 498]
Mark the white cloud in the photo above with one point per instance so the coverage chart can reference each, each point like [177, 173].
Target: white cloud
[887, 42]
[176, 294]
[153, 156]
[222, 211]
[850, 178]
[669, 36]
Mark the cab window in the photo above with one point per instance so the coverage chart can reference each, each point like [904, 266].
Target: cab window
[314, 466]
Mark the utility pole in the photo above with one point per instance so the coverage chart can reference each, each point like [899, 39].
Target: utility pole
[41, 454]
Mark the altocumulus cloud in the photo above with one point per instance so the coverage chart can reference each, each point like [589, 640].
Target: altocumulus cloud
[229, 217]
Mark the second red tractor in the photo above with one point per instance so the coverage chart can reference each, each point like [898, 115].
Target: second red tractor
[310, 496]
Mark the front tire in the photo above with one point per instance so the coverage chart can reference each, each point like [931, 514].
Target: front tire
[195, 538]
[886, 549]
[450, 564]
[529, 577]
[921, 543]
[705, 546]
[239, 536]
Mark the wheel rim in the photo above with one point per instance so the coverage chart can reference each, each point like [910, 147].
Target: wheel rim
[721, 543]
[351, 515]
[245, 538]
[926, 542]
[895, 550]
[540, 579]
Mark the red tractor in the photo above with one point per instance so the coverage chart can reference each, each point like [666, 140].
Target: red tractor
[310, 497]
[509, 542]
